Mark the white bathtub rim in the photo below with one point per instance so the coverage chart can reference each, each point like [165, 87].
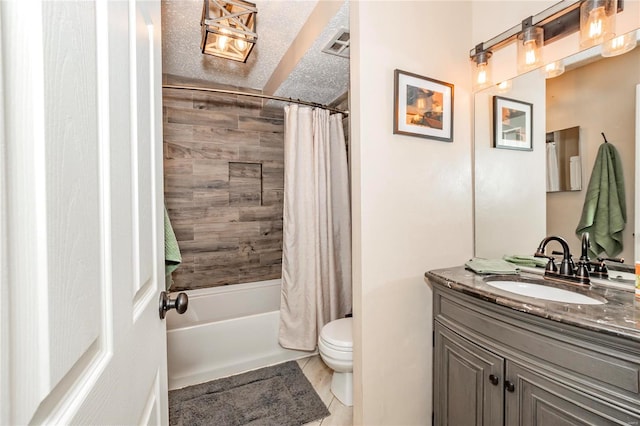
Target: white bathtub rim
[229, 288]
[215, 304]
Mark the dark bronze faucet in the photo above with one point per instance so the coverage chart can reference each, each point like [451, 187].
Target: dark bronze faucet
[568, 270]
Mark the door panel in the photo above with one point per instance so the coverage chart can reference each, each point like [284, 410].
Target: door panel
[537, 400]
[463, 390]
[83, 213]
[141, 98]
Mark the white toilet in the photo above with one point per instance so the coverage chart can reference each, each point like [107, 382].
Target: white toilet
[335, 345]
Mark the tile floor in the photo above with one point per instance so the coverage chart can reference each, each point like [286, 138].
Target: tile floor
[320, 377]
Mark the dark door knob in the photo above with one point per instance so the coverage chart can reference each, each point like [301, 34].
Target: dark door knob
[180, 303]
[494, 379]
[509, 386]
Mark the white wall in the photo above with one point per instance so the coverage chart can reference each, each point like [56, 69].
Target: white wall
[411, 201]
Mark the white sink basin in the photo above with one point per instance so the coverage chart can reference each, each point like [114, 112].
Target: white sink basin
[544, 292]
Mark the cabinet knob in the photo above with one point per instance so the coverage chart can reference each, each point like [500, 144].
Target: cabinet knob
[509, 386]
[494, 379]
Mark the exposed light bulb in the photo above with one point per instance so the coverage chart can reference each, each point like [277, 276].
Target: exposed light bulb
[617, 42]
[619, 45]
[240, 44]
[222, 40]
[482, 74]
[530, 53]
[596, 17]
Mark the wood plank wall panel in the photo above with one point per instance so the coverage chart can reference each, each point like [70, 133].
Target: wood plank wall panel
[224, 185]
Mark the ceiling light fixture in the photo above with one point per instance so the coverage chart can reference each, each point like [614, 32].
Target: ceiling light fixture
[228, 29]
[597, 21]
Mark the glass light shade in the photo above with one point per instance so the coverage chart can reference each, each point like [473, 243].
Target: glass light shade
[530, 42]
[481, 71]
[504, 86]
[597, 21]
[228, 29]
[619, 45]
[553, 69]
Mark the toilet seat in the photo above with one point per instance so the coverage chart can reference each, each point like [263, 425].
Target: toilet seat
[338, 335]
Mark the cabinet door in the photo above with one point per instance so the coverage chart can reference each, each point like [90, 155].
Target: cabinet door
[532, 399]
[468, 382]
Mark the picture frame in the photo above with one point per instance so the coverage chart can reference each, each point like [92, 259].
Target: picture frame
[423, 107]
[512, 124]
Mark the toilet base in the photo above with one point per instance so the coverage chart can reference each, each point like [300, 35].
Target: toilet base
[342, 387]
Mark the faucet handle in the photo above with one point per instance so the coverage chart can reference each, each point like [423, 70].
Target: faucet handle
[551, 265]
[567, 267]
[612, 259]
[582, 272]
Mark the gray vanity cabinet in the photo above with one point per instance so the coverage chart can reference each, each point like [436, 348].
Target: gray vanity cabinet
[495, 366]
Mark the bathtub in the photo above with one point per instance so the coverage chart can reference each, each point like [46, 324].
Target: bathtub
[226, 330]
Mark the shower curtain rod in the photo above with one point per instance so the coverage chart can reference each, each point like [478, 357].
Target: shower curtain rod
[255, 95]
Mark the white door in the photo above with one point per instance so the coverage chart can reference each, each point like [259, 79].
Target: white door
[81, 259]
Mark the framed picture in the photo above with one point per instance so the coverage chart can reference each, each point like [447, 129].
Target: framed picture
[512, 124]
[423, 107]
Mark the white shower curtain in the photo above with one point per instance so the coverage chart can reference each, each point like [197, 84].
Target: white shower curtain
[316, 254]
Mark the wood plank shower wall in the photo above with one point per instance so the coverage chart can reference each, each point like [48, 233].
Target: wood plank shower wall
[224, 180]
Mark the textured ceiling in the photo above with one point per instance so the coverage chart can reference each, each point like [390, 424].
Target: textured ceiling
[316, 76]
[320, 77]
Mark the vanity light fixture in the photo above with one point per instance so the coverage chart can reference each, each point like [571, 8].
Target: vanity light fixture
[597, 21]
[621, 44]
[481, 68]
[530, 42]
[228, 29]
[553, 69]
[555, 22]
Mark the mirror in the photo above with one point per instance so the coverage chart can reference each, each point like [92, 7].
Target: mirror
[563, 163]
[512, 209]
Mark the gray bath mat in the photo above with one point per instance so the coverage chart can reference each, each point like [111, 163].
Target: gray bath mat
[277, 395]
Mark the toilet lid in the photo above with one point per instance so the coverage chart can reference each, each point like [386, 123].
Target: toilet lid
[338, 333]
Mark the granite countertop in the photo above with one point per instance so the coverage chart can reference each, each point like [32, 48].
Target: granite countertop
[619, 316]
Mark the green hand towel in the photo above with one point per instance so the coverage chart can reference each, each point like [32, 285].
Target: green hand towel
[526, 260]
[172, 257]
[491, 266]
[604, 213]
